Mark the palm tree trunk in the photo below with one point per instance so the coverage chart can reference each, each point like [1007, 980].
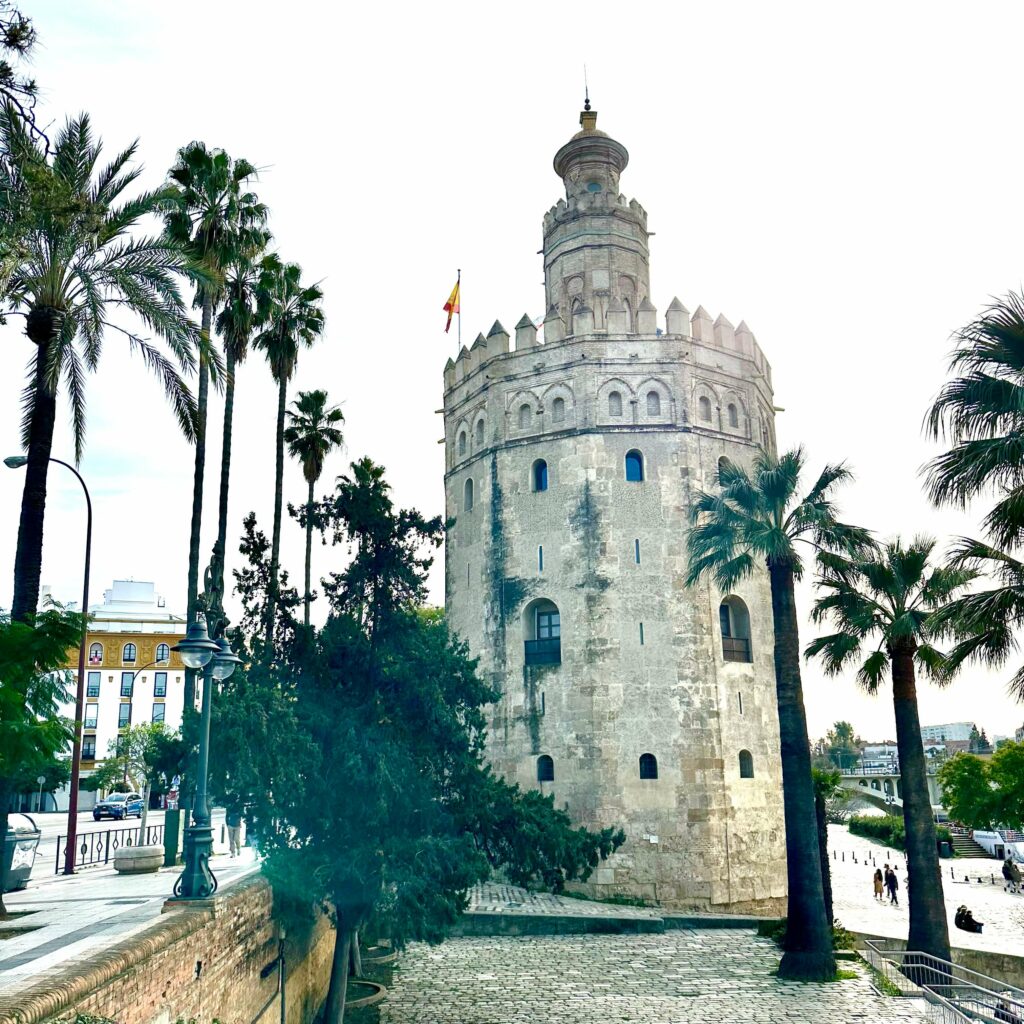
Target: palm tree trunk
[929, 932]
[334, 1011]
[275, 550]
[225, 460]
[808, 950]
[309, 550]
[28, 561]
[826, 872]
[195, 536]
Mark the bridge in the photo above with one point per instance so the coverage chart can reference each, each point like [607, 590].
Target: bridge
[883, 787]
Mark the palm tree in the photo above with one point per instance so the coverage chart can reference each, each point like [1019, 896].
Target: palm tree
[888, 601]
[312, 435]
[211, 216]
[290, 316]
[757, 518]
[235, 325]
[76, 265]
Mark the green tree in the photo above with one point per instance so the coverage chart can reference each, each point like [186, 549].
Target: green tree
[216, 221]
[77, 262]
[967, 792]
[886, 603]
[758, 519]
[17, 41]
[312, 434]
[384, 721]
[290, 317]
[843, 745]
[32, 687]
[1006, 774]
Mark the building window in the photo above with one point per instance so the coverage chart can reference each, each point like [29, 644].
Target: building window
[636, 551]
[525, 416]
[540, 475]
[93, 685]
[704, 408]
[89, 748]
[723, 465]
[558, 410]
[653, 403]
[163, 653]
[479, 432]
[127, 682]
[462, 442]
[545, 769]
[634, 467]
[549, 625]
[641, 634]
[615, 404]
[746, 765]
[159, 684]
[467, 496]
[540, 558]
[124, 716]
[159, 710]
[542, 625]
[96, 654]
[648, 766]
[129, 653]
[91, 714]
[735, 622]
[734, 418]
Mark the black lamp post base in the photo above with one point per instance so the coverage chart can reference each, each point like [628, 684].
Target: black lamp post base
[197, 881]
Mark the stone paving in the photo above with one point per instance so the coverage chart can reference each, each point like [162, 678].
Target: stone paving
[499, 898]
[713, 976]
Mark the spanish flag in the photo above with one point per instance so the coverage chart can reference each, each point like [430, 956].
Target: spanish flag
[451, 307]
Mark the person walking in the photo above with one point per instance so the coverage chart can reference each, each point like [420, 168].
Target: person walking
[879, 884]
[892, 884]
[233, 820]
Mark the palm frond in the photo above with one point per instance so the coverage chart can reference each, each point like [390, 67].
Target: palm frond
[871, 674]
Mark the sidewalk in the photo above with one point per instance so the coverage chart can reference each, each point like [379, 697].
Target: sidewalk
[67, 918]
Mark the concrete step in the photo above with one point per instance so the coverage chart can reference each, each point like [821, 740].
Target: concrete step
[965, 846]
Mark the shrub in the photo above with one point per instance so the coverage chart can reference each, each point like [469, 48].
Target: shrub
[887, 828]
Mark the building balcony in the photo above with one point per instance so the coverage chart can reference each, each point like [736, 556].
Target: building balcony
[735, 648]
[544, 652]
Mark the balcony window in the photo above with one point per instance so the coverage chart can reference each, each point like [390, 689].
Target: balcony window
[129, 653]
[163, 654]
[159, 710]
[542, 625]
[159, 684]
[96, 654]
[127, 683]
[91, 715]
[89, 748]
[92, 685]
[124, 716]
[735, 623]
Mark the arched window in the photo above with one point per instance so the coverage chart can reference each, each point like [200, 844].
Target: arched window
[467, 496]
[614, 404]
[525, 416]
[634, 466]
[704, 408]
[723, 464]
[542, 633]
[734, 418]
[479, 431]
[558, 410]
[653, 403]
[163, 653]
[545, 769]
[648, 766]
[96, 654]
[462, 442]
[540, 475]
[129, 652]
[734, 619]
[746, 765]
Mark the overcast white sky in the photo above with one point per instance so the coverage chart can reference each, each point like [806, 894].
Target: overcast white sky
[846, 178]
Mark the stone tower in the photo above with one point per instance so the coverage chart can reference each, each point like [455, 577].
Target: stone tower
[570, 468]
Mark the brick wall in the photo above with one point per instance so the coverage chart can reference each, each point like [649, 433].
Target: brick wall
[200, 960]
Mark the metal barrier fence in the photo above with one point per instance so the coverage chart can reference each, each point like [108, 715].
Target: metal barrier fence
[953, 994]
[96, 847]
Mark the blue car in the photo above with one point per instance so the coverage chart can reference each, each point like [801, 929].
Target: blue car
[118, 805]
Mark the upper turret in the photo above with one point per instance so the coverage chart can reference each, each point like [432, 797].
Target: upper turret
[595, 241]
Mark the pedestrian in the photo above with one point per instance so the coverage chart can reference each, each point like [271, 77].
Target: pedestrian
[1012, 874]
[892, 884]
[879, 884]
[234, 822]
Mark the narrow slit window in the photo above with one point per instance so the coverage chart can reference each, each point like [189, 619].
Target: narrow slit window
[636, 550]
[734, 419]
[641, 634]
[739, 701]
[468, 496]
[540, 558]
[462, 442]
[479, 432]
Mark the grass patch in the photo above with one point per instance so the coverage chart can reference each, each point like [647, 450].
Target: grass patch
[776, 931]
[840, 975]
[882, 983]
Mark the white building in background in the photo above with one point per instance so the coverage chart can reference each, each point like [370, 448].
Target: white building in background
[956, 731]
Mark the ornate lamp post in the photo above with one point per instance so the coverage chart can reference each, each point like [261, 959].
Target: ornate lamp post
[217, 661]
[17, 462]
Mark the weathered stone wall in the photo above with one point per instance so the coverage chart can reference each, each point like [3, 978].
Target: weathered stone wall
[199, 961]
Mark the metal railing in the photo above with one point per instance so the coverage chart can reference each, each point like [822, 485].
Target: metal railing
[953, 994]
[736, 648]
[544, 652]
[96, 847]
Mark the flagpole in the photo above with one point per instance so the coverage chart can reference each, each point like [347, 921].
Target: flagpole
[458, 284]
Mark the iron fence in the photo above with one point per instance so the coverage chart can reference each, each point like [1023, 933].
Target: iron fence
[97, 847]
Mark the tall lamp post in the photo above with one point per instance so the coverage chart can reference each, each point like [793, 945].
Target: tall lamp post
[17, 462]
[217, 661]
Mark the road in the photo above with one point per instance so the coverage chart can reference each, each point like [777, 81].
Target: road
[53, 826]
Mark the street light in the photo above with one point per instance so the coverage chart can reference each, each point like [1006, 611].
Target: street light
[17, 462]
[217, 661]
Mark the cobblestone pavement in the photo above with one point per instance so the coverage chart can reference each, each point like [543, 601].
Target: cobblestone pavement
[856, 907]
[714, 976]
[497, 898]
